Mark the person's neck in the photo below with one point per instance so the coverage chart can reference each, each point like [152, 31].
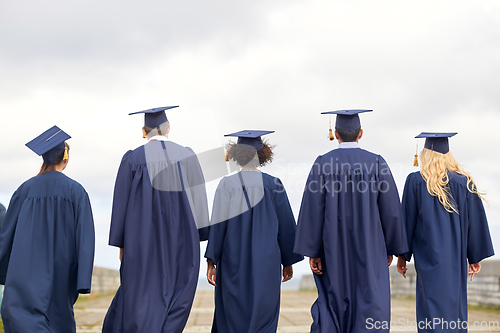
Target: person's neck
[158, 137]
[58, 167]
[247, 168]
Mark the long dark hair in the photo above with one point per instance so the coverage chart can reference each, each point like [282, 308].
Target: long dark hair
[49, 167]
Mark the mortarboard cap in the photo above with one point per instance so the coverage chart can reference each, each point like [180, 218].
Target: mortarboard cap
[436, 141]
[347, 120]
[49, 144]
[250, 138]
[154, 118]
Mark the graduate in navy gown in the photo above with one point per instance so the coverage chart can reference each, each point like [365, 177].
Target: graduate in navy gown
[159, 203]
[447, 227]
[350, 225]
[46, 244]
[251, 237]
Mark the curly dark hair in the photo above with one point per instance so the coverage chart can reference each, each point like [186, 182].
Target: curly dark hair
[244, 156]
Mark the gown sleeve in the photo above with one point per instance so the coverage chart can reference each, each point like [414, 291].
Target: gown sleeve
[8, 231]
[198, 191]
[217, 231]
[410, 212]
[286, 226]
[2, 215]
[479, 244]
[391, 214]
[308, 239]
[121, 196]
[85, 244]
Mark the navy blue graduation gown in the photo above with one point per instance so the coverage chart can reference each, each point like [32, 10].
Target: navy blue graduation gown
[2, 214]
[251, 237]
[442, 243]
[351, 218]
[159, 201]
[46, 254]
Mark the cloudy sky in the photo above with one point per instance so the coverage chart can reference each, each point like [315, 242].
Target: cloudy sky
[275, 65]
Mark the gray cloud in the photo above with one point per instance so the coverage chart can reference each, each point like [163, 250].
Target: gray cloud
[120, 32]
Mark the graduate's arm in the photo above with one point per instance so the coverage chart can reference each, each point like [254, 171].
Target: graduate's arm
[287, 273]
[85, 244]
[315, 264]
[8, 231]
[474, 269]
[410, 213]
[391, 214]
[479, 245]
[121, 195]
[402, 265]
[196, 182]
[286, 227]
[211, 272]
[309, 234]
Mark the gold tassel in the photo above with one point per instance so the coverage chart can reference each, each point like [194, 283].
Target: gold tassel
[144, 134]
[415, 161]
[227, 155]
[330, 135]
[66, 156]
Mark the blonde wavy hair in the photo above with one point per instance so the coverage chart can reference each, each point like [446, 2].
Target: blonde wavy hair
[434, 167]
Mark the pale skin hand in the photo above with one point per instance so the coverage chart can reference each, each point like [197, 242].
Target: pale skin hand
[315, 264]
[211, 273]
[287, 273]
[474, 269]
[402, 266]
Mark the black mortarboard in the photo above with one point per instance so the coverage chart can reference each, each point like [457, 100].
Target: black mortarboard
[436, 141]
[347, 120]
[154, 118]
[250, 138]
[49, 144]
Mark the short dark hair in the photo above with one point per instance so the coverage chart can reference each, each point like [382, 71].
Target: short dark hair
[244, 156]
[348, 136]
